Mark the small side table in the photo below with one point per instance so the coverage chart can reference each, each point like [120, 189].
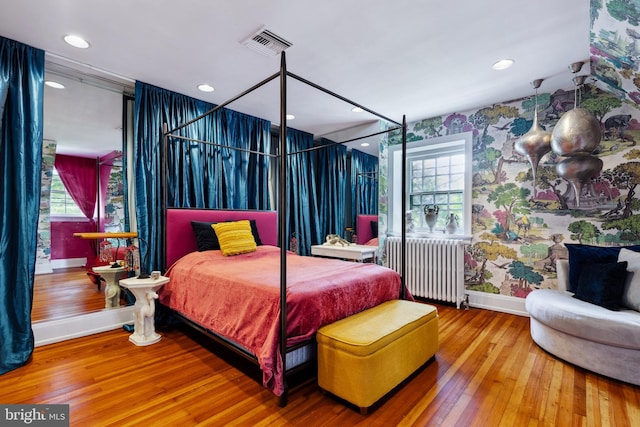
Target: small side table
[144, 332]
[111, 276]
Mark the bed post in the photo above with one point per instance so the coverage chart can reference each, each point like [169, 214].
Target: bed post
[403, 264]
[282, 229]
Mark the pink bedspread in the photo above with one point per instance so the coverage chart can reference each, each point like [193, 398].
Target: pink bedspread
[239, 298]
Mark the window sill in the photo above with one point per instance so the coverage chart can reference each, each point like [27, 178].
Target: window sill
[436, 235]
[68, 218]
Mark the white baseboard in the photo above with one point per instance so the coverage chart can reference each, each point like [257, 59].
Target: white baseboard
[68, 263]
[52, 331]
[497, 302]
[43, 267]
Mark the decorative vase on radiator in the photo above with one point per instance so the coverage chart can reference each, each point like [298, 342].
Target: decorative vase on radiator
[431, 215]
[452, 224]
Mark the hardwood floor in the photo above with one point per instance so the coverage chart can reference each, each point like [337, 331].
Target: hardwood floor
[64, 293]
[488, 372]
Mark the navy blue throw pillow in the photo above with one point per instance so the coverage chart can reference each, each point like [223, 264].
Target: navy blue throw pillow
[602, 284]
[581, 255]
[254, 231]
[206, 238]
[374, 229]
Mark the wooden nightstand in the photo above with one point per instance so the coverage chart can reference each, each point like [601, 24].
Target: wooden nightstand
[144, 332]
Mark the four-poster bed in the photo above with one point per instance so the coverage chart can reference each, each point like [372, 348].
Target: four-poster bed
[295, 309]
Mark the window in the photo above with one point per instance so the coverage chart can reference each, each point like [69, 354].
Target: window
[436, 180]
[438, 173]
[61, 202]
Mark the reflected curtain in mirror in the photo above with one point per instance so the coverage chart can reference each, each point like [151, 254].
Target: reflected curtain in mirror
[21, 125]
[364, 184]
[331, 184]
[78, 175]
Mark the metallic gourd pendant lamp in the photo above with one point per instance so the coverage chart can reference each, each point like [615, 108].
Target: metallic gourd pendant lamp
[575, 137]
[536, 142]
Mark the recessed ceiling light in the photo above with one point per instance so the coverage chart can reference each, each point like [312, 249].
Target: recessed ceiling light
[503, 64]
[76, 41]
[290, 117]
[364, 144]
[206, 88]
[54, 85]
[357, 110]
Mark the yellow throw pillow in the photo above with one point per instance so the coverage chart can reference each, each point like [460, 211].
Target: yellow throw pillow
[235, 237]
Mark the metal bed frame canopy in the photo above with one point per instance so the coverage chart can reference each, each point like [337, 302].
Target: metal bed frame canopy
[282, 205]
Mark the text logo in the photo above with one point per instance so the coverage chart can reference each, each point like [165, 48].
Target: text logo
[34, 415]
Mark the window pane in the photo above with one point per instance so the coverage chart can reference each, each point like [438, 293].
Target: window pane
[429, 184]
[442, 200]
[457, 168]
[430, 163]
[443, 169]
[456, 198]
[60, 201]
[416, 185]
[427, 200]
[443, 183]
[455, 209]
[457, 182]
[429, 172]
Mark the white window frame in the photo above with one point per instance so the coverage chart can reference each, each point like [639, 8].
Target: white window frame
[444, 144]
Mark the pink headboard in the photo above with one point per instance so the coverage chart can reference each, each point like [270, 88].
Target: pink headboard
[364, 228]
[181, 239]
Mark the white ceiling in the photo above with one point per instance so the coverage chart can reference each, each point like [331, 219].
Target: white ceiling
[408, 57]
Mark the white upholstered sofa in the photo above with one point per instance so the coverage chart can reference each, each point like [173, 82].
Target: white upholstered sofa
[585, 334]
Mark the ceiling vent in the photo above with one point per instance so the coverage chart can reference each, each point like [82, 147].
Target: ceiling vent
[266, 43]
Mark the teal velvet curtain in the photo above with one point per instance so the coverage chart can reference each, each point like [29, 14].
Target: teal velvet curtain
[301, 192]
[246, 174]
[199, 175]
[364, 184]
[259, 166]
[331, 184]
[21, 109]
[153, 107]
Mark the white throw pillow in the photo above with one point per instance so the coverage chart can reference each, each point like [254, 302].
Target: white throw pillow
[631, 295]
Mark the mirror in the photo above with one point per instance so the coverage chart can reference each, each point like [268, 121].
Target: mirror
[83, 120]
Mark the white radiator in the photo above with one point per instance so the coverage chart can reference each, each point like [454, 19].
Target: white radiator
[434, 267]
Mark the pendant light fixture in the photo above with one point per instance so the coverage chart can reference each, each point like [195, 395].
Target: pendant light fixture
[536, 142]
[575, 137]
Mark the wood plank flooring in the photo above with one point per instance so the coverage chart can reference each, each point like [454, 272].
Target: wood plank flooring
[65, 292]
[488, 372]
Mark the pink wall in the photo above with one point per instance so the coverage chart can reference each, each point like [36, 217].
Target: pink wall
[64, 245]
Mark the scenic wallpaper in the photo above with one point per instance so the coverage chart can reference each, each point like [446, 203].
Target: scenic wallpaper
[520, 227]
[43, 248]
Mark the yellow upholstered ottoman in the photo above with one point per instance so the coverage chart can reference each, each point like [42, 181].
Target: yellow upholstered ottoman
[363, 357]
